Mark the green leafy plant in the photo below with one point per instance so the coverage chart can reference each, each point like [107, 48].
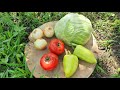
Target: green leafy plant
[73, 29]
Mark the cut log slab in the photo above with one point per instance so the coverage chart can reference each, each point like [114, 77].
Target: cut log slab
[33, 56]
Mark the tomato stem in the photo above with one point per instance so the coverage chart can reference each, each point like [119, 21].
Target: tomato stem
[47, 58]
[58, 44]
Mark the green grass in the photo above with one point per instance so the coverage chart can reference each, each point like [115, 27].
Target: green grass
[16, 26]
[14, 30]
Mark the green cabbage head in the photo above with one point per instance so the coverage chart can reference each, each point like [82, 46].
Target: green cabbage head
[73, 29]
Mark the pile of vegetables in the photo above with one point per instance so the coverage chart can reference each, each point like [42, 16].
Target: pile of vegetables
[73, 30]
[37, 37]
[48, 61]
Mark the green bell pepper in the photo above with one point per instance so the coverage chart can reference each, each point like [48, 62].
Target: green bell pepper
[70, 64]
[84, 54]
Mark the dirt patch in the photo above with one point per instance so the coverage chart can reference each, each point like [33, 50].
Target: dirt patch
[109, 54]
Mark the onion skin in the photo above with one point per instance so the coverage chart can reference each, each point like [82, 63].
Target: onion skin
[37, 33]
[40, 44]
[48, 32]
[31, 38]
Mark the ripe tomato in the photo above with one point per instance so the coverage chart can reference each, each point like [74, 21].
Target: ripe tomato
[49, 61]
[56, 46]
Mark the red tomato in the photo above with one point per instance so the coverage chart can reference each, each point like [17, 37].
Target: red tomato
[49, 61]
[56, 46]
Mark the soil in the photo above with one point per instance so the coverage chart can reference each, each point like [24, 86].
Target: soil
[109, 56]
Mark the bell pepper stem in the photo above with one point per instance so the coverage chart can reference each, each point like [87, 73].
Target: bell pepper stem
[67, 52]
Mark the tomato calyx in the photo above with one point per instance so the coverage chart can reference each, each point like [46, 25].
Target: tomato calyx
[58, 44]
[47, 58]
